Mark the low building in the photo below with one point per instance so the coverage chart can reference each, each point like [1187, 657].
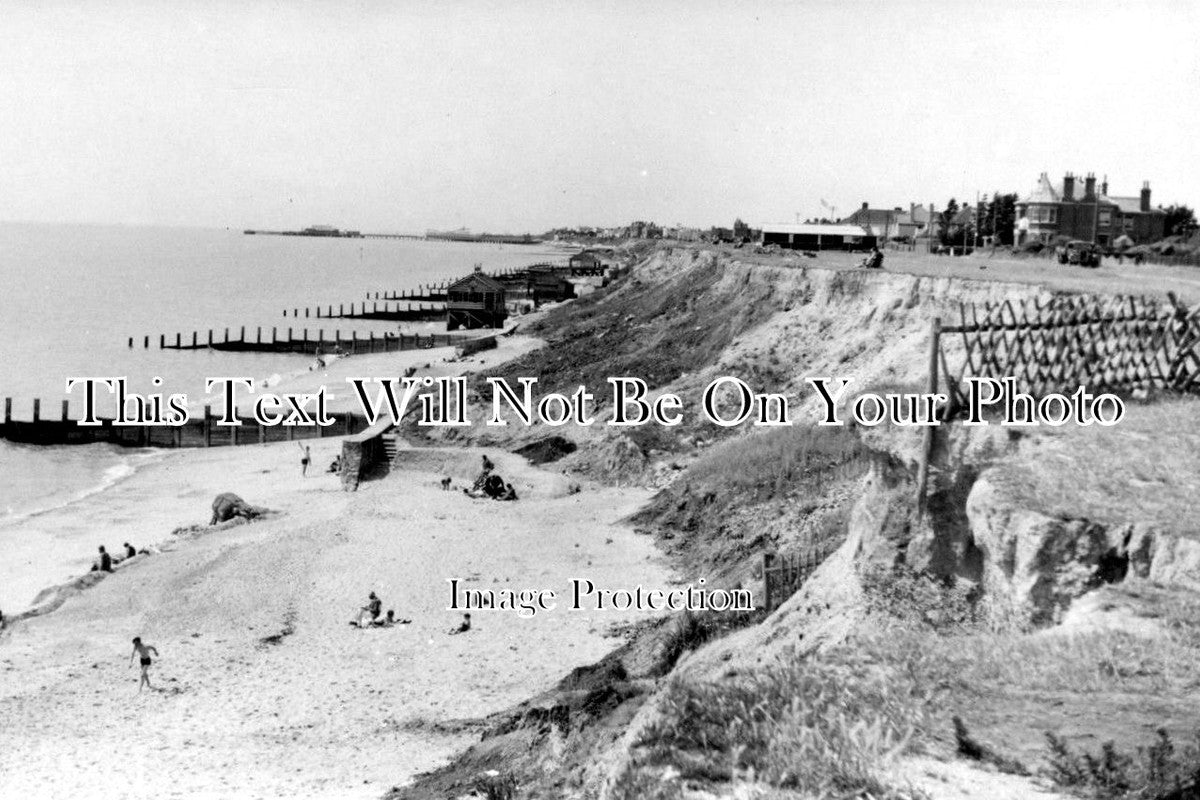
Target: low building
[1050, 210]
[476, 301]
[818, 236]
[587, 262]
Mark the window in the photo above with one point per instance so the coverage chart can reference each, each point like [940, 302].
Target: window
[1104, 218]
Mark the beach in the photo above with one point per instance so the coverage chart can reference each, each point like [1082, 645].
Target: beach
[325, 709]
[263, 689]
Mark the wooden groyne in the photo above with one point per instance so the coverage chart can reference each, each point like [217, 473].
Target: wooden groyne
[203, 432]
[433, 309]
[300, 341]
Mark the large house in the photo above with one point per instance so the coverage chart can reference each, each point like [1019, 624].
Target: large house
[1063, 210]
[892, 223]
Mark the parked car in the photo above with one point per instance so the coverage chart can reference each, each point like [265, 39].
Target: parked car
[1081, 253]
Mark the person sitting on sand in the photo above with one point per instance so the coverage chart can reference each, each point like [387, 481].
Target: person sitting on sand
[129, 551]
[336, 464]
[463, 627]
[509, 493]
[488, 466]
[144, 651]
[370, 612]
[106, 562]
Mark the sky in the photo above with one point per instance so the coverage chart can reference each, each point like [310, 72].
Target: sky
[523, 116]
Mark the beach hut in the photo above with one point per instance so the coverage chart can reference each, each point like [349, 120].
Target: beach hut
[586, 262]
[476, 301]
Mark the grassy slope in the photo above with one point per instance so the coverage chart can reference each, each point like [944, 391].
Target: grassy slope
[877, 697]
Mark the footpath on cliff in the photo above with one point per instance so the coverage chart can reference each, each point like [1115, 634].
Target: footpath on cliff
[1033, 635]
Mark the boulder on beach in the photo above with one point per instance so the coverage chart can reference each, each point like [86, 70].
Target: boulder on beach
[228, 505]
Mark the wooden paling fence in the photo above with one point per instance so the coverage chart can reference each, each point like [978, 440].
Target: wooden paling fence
[783, 575]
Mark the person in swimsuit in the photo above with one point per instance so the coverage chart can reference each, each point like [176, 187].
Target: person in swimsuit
[144, 651]
[105, 560]
[304, 459]
[129, 551]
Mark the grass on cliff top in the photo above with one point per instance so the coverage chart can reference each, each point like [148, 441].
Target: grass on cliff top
[1104, 714]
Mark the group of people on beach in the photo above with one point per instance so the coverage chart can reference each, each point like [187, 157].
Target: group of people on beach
[106, 562]
[306, 459]
[488, 484]
[369, 615]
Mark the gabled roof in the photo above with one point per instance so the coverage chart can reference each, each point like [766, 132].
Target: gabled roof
[872, 216]
[477, 280]
[1043, 192]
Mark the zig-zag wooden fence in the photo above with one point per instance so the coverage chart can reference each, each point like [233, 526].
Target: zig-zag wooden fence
[1106, 344]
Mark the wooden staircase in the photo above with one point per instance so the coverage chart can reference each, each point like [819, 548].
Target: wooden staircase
[390, 446]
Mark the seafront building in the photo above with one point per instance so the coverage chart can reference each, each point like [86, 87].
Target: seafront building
[1082, 212]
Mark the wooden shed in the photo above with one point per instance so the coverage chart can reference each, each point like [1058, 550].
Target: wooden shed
[476, 301]
[586, 263]
[548, 287]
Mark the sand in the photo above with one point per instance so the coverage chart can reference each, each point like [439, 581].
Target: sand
[262, 688]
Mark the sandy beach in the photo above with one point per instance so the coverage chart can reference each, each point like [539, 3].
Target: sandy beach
[262, 688]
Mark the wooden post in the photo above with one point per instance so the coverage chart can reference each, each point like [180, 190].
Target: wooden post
[177, 436]
[306, 312]
[210, 337]
[273, 331]
[262, 433]
[7, 410]
[935, 333]
[227, 335]
[65, 417]
[207, 426]
[162, 339]
[259, 335]
[177, 339]
[193, 340]
[130, 342]
[766, 562]
[37, 409]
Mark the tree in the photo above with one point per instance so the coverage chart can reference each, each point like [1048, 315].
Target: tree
[1180, 220]
[741, 230]
[945, 219]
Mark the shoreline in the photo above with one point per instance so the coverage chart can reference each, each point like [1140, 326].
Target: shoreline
[68, 557]
[251, 623]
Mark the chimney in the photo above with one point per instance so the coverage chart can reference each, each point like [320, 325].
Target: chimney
[1068, 186]
[1089, 186]
[1104, 187]
[1145, 196]
[864, 205]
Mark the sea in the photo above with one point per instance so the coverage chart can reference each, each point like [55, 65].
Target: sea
[72, 297]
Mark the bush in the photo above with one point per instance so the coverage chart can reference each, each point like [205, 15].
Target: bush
[907, 595]
[1156, 772]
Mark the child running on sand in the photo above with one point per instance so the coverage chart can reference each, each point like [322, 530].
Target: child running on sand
[144, 651]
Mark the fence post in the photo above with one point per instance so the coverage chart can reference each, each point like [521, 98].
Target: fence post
[37, 408]
[7, 410]
[65, 417]
[207, 426]
[935, 333]
[767, 559]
